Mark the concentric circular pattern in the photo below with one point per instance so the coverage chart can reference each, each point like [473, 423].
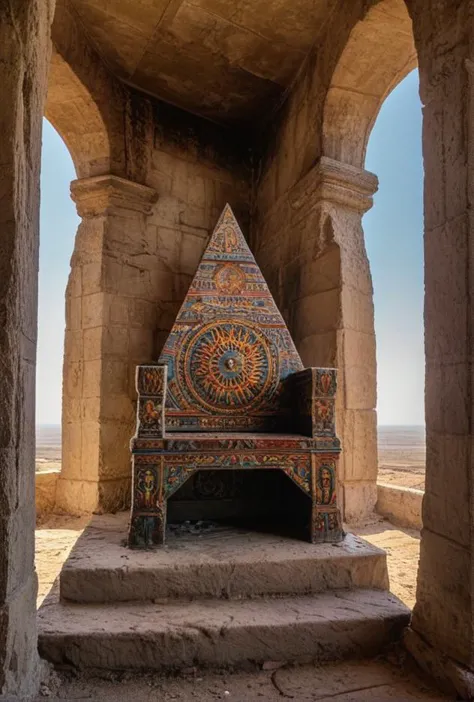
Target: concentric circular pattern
[229, 367]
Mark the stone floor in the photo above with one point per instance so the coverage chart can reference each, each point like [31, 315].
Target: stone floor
[362, 681]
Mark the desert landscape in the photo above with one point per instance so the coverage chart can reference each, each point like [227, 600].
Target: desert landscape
[402, 456]
[401, 453]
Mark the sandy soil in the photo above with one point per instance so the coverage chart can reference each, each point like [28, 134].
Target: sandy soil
[355, 681]
[402, 456]
[403, 552]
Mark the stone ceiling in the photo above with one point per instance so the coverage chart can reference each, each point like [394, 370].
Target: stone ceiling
[228, 60]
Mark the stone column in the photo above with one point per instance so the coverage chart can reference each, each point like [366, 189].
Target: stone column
[110, 326]
[331, 312]
[442, 628]
[24, 58]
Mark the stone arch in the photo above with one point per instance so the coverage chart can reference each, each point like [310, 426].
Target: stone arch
[76, 117]
[380, 52]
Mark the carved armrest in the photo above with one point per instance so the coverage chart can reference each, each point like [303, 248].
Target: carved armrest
[151, 383]
[313, 393]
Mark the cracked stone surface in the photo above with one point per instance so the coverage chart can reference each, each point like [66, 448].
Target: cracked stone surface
[220, 562]
[328, 626]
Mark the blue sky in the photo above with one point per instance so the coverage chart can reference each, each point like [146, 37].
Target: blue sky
[394, 238]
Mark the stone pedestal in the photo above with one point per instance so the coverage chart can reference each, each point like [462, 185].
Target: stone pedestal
[110, 324]
[326, 290]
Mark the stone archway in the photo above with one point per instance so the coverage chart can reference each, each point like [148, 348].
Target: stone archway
[378, 54]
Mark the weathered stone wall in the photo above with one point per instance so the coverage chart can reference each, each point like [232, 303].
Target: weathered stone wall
[137, 248]
[319, 271]
[443, 614]
[24, 57]
[400, 505]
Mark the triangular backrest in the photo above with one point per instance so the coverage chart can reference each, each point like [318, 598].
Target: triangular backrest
[229, 349]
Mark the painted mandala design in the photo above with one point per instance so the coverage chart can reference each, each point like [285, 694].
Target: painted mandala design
[229, 366]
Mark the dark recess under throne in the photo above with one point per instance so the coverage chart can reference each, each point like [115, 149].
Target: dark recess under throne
[230, 427]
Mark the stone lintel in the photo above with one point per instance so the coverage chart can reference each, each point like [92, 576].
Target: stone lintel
[336, 182]
[103, 194]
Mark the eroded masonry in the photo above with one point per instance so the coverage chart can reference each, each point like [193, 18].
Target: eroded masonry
[170, 110]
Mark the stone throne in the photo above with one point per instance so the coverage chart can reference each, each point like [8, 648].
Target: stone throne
[229, 393]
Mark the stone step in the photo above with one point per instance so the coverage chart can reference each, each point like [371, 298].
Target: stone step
[222, 563]
[324, 627]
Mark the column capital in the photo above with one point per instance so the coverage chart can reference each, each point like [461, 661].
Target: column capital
[110, 194]
[335, 182]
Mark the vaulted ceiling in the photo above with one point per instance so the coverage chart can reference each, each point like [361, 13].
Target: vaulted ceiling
[229, 60]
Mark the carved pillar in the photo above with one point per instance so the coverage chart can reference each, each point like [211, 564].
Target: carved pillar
[442, 628]
[327, 290]
[110, 324]
[24, 58]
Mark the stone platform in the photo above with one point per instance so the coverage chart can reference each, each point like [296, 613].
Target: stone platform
[216, 563]
[216, 598]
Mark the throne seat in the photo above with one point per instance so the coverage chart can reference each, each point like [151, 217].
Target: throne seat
[229, 392]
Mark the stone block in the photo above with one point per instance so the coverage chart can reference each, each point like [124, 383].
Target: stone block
[447, 511]
[359, 500]
[115, 447]
[119, 309]
[447, 296]
[71, 450]
[92, 385]
[317, 313]
[242, 564]
[74, 313]
[72, 379]
[191, 251]
[76, 497]
[319, 350]
[116, 341]
[357, 310]
[321, 274]
[90, 450]
[74, 283]
[359, 369]
[21, 670]
[221, 633]
[401, 506]
[114, 380]
[72, 410]
[358, 433]
[93, 347]
[118, 407]
[442, 613]
[196, 190]
[94, 310]
[114, 495]
[73, 345]
[168, 248]
[447, 397]
[435, 184]
[143, 315]
[92, 278]
[141, 343]
[46, 483]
